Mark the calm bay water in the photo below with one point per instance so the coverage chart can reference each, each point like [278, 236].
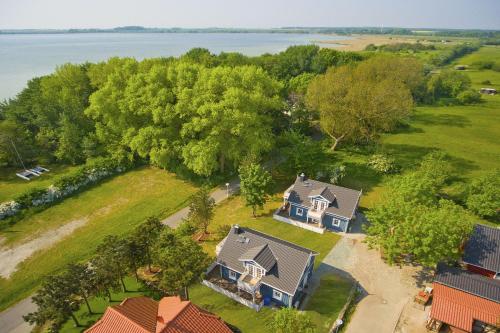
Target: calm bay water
[23, 57]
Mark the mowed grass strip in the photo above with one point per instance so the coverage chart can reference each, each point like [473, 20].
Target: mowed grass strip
[11, 185]
[328, 300]
[115, 207]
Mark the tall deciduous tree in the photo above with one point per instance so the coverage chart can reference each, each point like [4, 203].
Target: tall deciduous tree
[56, 303]
[113, 251]
[358, 103]
[82, 278]
[146, 234]
[201, 209]
[255, 185]
[182, 261]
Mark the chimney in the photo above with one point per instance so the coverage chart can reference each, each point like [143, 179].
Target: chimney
[236, 229]
[302, 177]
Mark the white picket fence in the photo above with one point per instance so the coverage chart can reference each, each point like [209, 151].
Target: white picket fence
[233, 296]
[302, 225]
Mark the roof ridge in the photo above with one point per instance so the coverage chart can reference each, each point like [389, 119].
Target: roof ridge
[262, 234]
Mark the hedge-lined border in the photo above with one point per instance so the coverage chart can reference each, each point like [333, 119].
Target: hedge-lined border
[91, 173]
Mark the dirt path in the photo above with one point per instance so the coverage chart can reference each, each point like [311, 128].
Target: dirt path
[11, 257]
[386, 289]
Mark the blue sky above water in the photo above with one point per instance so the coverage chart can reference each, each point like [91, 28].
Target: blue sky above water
[18, 14]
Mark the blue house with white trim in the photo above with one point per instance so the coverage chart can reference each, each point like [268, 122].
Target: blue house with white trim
[257, 269]
[317, 206]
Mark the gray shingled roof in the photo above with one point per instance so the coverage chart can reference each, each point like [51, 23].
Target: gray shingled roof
[344, 199]
[475, 284]
[290, 259]
[483, 248]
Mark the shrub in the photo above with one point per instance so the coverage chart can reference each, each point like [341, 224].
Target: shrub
[382, 164]
[222, 231]
[186, 228]
[336, 173]
[469, 97]
[488, 82]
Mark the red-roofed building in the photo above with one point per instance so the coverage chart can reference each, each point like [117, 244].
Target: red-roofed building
[465, 302]
[169, 315]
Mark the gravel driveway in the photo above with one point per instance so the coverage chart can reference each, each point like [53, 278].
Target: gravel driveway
[386, 289]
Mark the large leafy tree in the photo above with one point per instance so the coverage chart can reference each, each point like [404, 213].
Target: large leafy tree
[201, 209]
[412, 220]
[289, 320]
[255, 185]
[359, 103]
[228, 114]
[182, 261]
[301, 153]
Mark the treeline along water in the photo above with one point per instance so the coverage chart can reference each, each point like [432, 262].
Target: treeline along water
[23, 57]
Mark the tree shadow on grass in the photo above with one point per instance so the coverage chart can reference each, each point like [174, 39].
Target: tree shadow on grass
[446, 119]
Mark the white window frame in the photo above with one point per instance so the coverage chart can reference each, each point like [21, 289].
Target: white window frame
[336, 222]
[299, 211]
[232, 275]
[277, 295]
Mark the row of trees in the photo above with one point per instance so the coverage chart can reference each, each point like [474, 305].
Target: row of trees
[178, 259]
[203, 111]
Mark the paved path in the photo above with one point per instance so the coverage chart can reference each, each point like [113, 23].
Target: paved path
[11, 320]
[218, 195]
[386, 289]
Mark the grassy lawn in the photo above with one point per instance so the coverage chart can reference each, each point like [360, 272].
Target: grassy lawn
[114, 207]
[246, 319]
[328, 300]
[11, 185]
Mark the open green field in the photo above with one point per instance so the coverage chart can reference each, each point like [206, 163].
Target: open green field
[469, 134]
[12, 186]
[114, 207]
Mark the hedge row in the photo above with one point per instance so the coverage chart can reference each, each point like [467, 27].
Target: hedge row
[90, 173]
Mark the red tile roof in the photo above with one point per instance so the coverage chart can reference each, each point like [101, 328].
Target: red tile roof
[170, 315]
[459, 309]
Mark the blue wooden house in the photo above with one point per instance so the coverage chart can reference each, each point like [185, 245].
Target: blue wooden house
[256, 269]
[317, 206]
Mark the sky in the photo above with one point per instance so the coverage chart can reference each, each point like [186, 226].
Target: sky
[63, 14]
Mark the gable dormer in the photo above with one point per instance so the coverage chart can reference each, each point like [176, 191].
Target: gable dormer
[258, 260]
[321, 198]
